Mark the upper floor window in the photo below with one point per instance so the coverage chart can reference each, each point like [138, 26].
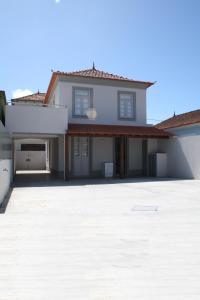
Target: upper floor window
[82, 101]
[127, 105]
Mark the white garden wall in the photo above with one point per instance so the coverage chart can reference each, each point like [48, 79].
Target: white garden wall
[5, 177]
[36, 119]
[6, 167]
[102, 151]
[182, 156]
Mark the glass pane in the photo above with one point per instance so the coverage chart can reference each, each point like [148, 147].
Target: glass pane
[86, 103]
[77, 111]
[126, 105]
[82, 101]
[85, 148]
[126, 96]
[82, 92]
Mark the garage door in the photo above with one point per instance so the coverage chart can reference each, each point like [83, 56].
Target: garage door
[31, 157]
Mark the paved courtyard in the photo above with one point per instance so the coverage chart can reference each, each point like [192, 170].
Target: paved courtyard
[119, 240]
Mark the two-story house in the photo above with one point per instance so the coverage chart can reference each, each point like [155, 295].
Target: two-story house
[91, 117]
[106, 122]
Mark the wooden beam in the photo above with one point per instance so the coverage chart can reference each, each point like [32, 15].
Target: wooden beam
[122, 153]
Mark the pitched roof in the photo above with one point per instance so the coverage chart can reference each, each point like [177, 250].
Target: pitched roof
[188, 118]
[116, 130]
[93, 73]
[37, 97]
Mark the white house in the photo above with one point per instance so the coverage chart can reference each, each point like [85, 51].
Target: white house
[184, 147]
[88, 118]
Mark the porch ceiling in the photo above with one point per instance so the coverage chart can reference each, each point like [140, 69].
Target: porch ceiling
[116, 130]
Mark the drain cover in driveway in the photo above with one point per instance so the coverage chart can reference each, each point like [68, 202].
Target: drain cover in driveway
[145, 208]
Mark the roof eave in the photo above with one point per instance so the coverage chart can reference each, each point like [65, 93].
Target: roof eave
[50, 86]
[178, 126]
[56, 74]
[147, 83]
[116, 130]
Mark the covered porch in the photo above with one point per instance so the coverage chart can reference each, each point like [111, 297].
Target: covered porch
[38, 157]
[129, 148]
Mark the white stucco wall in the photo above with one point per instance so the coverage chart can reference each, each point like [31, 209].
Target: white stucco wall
[53, 154]
[36, 119]
[102, 151]
[152, 146]
[61, 153]
[182, 156]
[5, 177]
[105, 101]
[6, 167]
[70, 153]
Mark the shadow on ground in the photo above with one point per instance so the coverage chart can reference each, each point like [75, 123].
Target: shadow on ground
[44, 180]
[4, 204]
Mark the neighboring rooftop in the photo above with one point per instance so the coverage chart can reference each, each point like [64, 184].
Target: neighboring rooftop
[34, 98]
[94, 73]
[185, 119]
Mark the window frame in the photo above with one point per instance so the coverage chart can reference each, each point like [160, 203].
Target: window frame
[33, 147]
[133, 94]
[74, 88]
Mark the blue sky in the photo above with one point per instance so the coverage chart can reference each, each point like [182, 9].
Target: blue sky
[153, 40]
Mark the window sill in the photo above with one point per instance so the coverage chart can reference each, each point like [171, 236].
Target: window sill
[79, 117]
[127, 119]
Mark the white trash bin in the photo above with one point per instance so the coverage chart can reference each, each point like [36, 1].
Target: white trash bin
[108, 169]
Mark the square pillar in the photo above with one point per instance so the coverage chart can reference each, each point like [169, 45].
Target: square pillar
[122, 157]
[66, 157]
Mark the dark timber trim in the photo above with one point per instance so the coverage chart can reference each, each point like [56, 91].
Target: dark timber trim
[122, 154]
[66, 157]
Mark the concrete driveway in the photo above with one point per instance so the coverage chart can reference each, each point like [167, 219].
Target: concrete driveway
[128, 240]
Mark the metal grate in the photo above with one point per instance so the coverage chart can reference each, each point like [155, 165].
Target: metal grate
[145, 208]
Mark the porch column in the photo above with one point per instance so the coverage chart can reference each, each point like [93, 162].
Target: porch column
[122, 160]
[66, 157]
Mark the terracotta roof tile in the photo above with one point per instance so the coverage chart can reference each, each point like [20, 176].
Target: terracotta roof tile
[188, 118]
[92, 73]
[116, 130]
[37, 97]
